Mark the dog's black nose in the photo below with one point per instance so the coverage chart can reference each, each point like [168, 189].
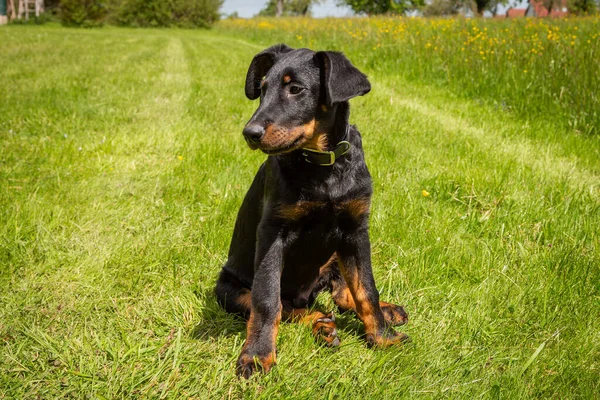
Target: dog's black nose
[253, 132]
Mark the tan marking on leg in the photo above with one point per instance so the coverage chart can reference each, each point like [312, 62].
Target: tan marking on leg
[302, 315]
[322, 325]
[327, 266]
[245, 300]
[250, 338]
[275, 331]
[364, 310]
[294, 315]
[247, 364]
[342, 297]
[378, 331]
[249, 330]
[268, 361]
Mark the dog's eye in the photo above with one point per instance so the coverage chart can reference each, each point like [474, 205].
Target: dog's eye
[296, 89]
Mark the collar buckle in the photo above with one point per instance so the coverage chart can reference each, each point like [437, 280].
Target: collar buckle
[326, 158]
[329, 163]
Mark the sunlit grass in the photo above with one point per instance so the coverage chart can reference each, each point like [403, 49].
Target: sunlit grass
[122, 167]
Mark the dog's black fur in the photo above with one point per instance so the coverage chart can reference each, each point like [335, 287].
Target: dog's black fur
[303, 228]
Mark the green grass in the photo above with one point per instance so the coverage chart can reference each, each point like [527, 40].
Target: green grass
[121, 170]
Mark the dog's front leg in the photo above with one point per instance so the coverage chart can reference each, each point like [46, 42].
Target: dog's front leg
[355, 265]
[259, 350]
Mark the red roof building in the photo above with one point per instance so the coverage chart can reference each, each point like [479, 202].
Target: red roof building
[515, 12]
[536, 8]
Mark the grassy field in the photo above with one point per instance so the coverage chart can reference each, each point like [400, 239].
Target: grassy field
[122, 166]
[534, 67]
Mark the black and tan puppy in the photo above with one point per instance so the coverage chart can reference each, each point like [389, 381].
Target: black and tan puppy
[304, 224]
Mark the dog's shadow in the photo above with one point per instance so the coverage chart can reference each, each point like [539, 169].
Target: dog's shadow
[216, 322]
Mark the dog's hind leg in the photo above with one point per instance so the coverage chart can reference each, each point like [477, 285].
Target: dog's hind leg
[232, 295]
[323, 325]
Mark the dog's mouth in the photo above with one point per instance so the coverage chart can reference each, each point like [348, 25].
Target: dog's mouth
[296, 144]
[270, 150]
[280, 140]
[252, 145]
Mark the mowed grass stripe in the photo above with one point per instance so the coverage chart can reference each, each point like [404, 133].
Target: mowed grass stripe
[115, 278]
[40, 161]
[218, 164]
[497, 138]
[506, 191]
[79, 276]
[42, 91]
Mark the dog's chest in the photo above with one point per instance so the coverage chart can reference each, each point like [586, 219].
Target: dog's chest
[312, 215]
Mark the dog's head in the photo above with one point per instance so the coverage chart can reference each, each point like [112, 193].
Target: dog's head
[297, 89]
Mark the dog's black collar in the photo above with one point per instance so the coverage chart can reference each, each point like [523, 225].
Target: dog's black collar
[327, 158]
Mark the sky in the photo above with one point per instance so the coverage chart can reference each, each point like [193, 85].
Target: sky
[249, 8]
[327, 8]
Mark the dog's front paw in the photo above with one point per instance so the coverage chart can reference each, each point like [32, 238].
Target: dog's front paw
[325, 329]
[248, 364]
[388, 338]
[394, 314]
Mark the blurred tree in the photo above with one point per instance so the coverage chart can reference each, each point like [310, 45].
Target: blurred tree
[154, 13]
[51, 5]
[439, 8]
[493, 6]
[582, 7]
[373, 7]
[550, 4]
[480, 6]
[288, 7]
[300, 7]
[86, 13]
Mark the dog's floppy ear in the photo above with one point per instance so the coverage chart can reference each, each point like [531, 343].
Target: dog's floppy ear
[339, 78]
[260, 65]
